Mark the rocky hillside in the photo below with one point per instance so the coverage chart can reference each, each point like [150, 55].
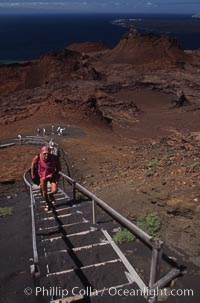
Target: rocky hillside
[148, 49]
[50, 69]
[87, 47]
[86, 83]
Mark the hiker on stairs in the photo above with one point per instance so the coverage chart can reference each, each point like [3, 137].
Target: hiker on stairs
[46, 167]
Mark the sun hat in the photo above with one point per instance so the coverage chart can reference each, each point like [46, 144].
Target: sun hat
[45, 150]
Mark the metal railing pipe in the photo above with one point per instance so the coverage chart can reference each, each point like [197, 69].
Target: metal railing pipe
[113, 213]
[34, 243]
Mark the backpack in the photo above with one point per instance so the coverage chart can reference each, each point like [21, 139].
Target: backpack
[36, 180]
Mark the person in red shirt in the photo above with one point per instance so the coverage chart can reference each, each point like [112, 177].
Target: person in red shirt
[46, 167]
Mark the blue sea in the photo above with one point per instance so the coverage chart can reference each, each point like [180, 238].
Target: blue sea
[28, 37]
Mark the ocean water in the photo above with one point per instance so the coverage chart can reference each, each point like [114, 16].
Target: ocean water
[29, 37]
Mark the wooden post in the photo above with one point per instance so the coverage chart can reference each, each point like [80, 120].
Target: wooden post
[74, 191]
[155, 262]
[93, 212]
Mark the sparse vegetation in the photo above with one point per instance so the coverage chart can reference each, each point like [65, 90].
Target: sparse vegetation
[5, 211]
[151, 224]
[196, 165]
[123, 235]
[153, 164]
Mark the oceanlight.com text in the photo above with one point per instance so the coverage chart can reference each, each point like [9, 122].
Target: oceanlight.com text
[150, 293]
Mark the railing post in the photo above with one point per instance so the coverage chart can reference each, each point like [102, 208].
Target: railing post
[63, 179]
[74, 190]
[155, 262]
[93, 212]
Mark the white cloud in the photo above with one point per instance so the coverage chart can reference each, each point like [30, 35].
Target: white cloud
[45, 4]
[28, 4]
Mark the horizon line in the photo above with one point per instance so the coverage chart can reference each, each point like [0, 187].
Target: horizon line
[96, 13]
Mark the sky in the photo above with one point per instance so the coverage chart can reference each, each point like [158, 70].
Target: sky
[100, 6]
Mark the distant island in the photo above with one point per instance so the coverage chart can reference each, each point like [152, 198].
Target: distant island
[125, 22]
[196, 15]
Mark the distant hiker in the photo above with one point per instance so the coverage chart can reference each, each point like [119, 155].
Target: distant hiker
[58, 130]
[61, 131]
[51, 143]
[38, 131]
[44, 131]
[45, 168]
[52, 129]
[54, 150]
[19, 138]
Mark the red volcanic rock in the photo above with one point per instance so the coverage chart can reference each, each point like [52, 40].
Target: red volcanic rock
[60, 67]
[12, 77]
[54, 67]
[144, 49]
[87, 47]
[67, 78]
[103, 106]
